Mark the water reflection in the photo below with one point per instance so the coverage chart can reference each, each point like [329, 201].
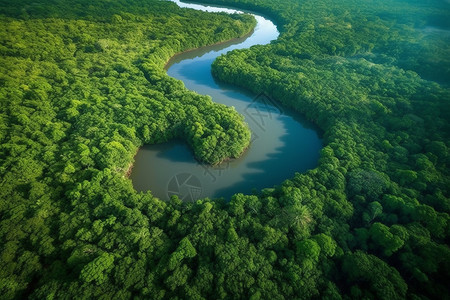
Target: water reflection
[282, 143]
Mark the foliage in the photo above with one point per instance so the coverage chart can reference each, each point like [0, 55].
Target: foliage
[82, 86]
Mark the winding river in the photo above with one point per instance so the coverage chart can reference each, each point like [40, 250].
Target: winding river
[282, 142]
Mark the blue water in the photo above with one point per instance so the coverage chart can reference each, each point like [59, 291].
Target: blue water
[282, 142]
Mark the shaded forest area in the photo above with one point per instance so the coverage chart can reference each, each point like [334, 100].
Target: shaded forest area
[82, 86]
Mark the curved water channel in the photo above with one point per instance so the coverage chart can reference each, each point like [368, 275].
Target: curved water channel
[282, 142]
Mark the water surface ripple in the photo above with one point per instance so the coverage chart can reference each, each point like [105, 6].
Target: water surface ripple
[282, 142]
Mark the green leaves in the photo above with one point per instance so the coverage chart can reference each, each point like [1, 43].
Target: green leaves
[384, 239]
[184, 250]
[219, 136]
[82, 86]
[368, 183]
[384, 282]
[98, 269]
[308, 249]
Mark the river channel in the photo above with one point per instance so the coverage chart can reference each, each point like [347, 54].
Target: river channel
[282, 142]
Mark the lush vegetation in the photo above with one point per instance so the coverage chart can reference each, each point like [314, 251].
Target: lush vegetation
[82, 86]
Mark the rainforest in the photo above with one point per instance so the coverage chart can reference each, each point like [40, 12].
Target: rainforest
[83, 87]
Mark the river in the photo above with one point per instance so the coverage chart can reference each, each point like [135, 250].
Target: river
[282, 142]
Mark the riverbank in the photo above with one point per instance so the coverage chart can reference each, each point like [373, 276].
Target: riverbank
[278, 138]
[207, 47]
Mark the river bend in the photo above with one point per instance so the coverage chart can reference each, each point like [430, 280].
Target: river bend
[282, 142]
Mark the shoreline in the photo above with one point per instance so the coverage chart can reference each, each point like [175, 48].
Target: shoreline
[129, 168]
[167, 65]
[250, 11]
[170, 61]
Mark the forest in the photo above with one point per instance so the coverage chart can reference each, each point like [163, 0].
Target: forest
[83, 86]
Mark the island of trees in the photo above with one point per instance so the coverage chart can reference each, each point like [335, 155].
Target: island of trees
[82, 87]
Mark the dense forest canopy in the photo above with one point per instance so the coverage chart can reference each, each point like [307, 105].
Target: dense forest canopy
[82, 87]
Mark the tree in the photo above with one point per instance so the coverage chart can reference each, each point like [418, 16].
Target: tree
[98, 269]
[384, 240]
[183, 251]
[368, 183]
[384, 282]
